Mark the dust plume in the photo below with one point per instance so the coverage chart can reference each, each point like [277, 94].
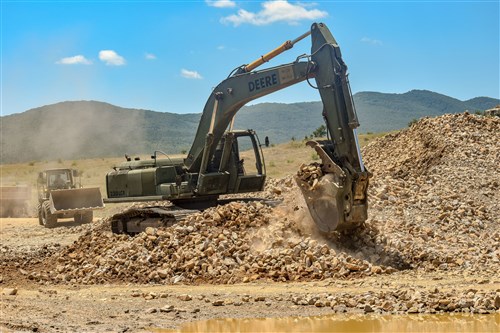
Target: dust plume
[291, 223]
[72, 130]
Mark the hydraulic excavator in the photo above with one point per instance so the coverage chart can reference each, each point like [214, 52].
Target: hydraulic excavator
[214, 166]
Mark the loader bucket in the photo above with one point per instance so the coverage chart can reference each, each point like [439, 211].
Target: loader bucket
[74, 200]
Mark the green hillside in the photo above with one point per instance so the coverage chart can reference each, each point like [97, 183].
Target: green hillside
[87, 129]
[384, 112]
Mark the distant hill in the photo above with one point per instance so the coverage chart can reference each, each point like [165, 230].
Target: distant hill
[84, 129]
[380, 112]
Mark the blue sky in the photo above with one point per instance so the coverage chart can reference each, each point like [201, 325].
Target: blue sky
[168, 55]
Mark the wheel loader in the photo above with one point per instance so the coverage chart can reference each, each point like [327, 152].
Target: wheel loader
[61, 195]
[214, 165]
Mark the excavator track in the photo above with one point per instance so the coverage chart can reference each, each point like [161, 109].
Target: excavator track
[136, 219]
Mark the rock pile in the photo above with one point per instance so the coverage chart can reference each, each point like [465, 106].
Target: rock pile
[435, 192]
[220, 245]
[433, 206]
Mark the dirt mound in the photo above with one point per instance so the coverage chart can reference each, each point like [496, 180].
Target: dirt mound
[458, 139]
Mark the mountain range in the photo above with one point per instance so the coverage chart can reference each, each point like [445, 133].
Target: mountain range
[87, 129]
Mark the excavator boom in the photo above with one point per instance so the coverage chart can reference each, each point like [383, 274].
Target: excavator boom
[233, 93]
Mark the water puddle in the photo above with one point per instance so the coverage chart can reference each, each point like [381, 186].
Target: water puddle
[445, 323]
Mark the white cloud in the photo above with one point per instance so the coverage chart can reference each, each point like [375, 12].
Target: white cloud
[371, 41]
[275, 11]
[221, 3]
[149, 56]
[111, 58]
[78, 59]
[221, 47]
[190, 74]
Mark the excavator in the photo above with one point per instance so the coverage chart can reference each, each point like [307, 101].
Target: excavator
[214, 165]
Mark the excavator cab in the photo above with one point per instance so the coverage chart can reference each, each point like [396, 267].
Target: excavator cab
[237, 165]
[251, 173]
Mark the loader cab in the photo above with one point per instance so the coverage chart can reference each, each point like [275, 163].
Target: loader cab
[55, 179]
[59, 180]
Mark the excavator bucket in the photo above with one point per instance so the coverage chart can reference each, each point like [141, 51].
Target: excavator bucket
[75, 200]
[325, 202]
[334, 200]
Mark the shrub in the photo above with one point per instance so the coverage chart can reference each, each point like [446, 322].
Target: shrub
[319, 132]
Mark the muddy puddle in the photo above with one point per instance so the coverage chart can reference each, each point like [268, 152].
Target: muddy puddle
[452, 323]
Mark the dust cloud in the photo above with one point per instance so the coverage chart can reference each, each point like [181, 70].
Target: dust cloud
[291, 222]
[72, 130]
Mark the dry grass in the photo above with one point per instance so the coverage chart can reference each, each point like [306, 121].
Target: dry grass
[285, 159]
[281, 160]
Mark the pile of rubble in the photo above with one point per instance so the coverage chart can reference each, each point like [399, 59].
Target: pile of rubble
[435, 192]
[433, 206]
[220, 245]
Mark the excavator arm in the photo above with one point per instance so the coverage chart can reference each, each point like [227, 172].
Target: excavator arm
[340, 200]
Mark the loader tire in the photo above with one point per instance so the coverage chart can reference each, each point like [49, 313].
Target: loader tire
[49, 220]
[84, 218]
[88, 217]
[39, 210]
